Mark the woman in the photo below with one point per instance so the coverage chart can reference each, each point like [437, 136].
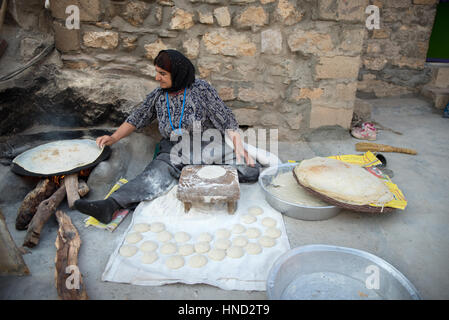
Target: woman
[180, 102]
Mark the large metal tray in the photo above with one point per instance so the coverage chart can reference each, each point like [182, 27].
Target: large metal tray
[324, 272]
[290, 209]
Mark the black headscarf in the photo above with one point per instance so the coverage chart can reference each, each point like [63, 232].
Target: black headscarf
[181, 69]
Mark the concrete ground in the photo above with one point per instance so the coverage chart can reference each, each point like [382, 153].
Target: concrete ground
[415, 240]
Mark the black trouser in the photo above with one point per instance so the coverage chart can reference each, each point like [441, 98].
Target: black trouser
[161, 174]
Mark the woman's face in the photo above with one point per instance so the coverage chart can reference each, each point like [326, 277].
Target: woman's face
[164, 78]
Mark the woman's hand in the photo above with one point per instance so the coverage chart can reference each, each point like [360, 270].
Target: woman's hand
[105, 141]
[239, 149]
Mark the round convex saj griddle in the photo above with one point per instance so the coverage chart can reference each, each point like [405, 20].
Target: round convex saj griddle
[60, 157]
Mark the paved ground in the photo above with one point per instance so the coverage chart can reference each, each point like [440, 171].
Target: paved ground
[415, 240]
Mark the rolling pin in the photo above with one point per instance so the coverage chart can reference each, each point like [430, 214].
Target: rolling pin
[369, 146]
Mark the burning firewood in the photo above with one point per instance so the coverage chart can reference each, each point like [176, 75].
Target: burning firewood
[71, 185]
[44, 211]
[68, 280]
[28, 208]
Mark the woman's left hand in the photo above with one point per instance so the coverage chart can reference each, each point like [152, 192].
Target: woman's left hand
[240, 151]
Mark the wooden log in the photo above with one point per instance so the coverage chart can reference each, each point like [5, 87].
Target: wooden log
[83, 188]
[44, 212]
[68, 279]
[28, 208]
[71, 187]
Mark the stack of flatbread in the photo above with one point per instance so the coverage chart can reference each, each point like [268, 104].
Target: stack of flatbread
[344, 182]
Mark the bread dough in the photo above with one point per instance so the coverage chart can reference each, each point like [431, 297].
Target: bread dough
[142, 227]
[197, 261]
[240, 241]
[344, 182]
[222, 243]
[267, 242]
[273, 232]
[133, 237]
[149, 257]
[235, 252]
[253, 233]
[223, 233]
[205, 236]
[168, 248]
[157, 227]
[127, 250]
[186, 250]
[202, 247]
[216, 254]
[269, 222]
[164, 236]
[175, 262]
[182, 237]
[148, 246]
[211, 172]
[253, 248]
[255, 210]
[238, 229]
[247, 218]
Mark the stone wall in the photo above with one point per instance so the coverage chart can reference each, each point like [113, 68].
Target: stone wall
[291, 65]
[393, 59]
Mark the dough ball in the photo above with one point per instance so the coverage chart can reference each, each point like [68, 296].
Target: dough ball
[182, 237]
[202, 247]
[186, 250]
[175, 262]
[247, 218]
[273, 232]
[148, 246]
[128, 251]
[204, 237]
[197, 261]
[168, 248]
[240, 241]
[133, 237]
[223, 233]
[238, 229]
[255, 210]
[267, 242]
[211, 172]
[149, 257]
[253, 248]
[142, 227]
[222, 243]
[253, 233]
[157, 227]
[235, 252]
[164, 236]
[269, 222]
[216, 254]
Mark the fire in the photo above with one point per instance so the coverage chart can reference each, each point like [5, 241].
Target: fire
[59, 179]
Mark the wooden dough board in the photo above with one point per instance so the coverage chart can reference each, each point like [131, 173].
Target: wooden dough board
[193, 188]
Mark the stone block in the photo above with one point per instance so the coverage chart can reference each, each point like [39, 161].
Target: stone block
[136, 12]
[226, 93]
[246, 117]
[374, 63]
[152, 49]
[310, 42]
[342, 10]
[106, 40]
[228, 43]
[258, 94]
[223, 16]
[66, 40]
[352, 40]
[442, 78]
[325, 116]
[287, 13]
[191, 48]
[271, 41]
[252, 17]
[181, 20]
[205, 17]
[338, 67]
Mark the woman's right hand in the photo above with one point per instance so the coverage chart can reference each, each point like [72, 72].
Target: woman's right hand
[105, 141]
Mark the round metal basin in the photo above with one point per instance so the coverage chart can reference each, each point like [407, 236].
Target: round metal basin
[323, 272]
[290, 209]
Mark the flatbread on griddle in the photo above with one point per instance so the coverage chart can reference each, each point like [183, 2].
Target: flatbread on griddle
[59, 156]
[342, 181]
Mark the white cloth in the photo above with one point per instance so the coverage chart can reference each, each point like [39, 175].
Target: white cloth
[246, 273]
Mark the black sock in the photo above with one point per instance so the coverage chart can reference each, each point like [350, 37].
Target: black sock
[102, 210]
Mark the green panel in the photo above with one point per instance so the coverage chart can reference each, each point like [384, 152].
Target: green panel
[439, 39]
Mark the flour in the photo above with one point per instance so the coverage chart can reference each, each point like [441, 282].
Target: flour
[211, 172]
